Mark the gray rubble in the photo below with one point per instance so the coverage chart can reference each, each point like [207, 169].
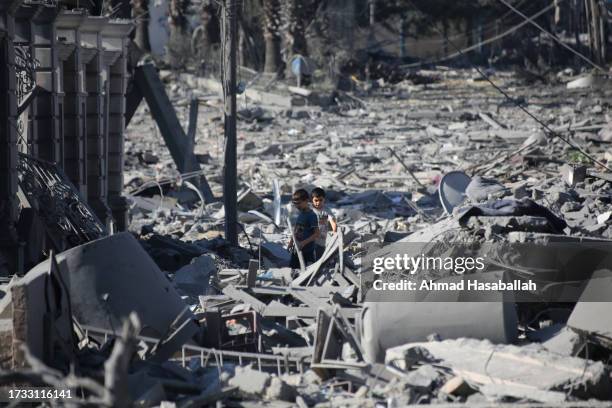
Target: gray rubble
[192, 321]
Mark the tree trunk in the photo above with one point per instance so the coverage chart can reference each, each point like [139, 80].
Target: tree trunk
[177, 23]
[576, 9]
[296, 28]
[596, 31]
[272, 36]
[140, 12]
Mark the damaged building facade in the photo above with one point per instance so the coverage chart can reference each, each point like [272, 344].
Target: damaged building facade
[63, 78]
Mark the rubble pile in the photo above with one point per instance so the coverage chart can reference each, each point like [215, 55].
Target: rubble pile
[169, 314]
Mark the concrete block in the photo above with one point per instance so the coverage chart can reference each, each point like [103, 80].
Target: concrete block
[249, 201]
[250, 382]
[565, 342]
[277, 252]
[457, 386]
[194, 278]
[280, 390]
[423, 378]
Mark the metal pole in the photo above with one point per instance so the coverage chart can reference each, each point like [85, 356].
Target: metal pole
[403, 23]
[230, 9]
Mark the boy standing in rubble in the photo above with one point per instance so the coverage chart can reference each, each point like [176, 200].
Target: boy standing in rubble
[325, 218]
[306, 230]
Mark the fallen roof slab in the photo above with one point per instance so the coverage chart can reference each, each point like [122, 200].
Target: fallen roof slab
[529, 367]
[110, 278]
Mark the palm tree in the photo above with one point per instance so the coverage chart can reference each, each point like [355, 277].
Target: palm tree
[272, 38]
[296, 27]
[178, 47]
[140, 13]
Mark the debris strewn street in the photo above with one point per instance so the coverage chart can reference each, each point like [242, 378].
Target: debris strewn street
[355, 189]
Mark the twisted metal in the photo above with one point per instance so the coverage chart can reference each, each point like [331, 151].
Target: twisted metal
[68, 218]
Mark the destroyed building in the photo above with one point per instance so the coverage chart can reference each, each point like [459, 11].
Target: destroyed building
[64, 82]
[146, 204]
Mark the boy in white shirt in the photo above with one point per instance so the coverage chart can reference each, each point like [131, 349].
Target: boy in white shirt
[325, 217]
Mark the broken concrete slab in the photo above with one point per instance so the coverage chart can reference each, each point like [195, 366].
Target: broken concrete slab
[195, 277]
[258, 384]
[530, 367]
[248, 200]
[277, 252]
[150, 86]
[105, 289]
[564, 341]
[457, 386]
[424, 379]
[587, 81]
[501, 392]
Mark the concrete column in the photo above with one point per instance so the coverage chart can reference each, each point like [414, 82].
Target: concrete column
[45, 106]
[96, 79]
[8, 141]
[75, 98]
[115, 42]
[25, 70]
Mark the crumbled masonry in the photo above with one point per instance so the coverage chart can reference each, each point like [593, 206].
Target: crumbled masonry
[130, 295]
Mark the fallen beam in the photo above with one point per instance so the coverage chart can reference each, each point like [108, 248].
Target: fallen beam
[181, 148]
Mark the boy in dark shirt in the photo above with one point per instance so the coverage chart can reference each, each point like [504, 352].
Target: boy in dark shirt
[306, 229]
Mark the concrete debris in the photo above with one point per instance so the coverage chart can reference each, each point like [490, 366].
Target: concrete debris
[249, 381]
[105, 289]
[587, 81]
[564, 341]
[523, 369]
[481, 189]
[458, 387]
[121, 278]
[249, 201]
[254, 383]
[195, 277]
[573, 175]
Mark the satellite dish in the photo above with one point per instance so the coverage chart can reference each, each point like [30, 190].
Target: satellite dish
[452, 190]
